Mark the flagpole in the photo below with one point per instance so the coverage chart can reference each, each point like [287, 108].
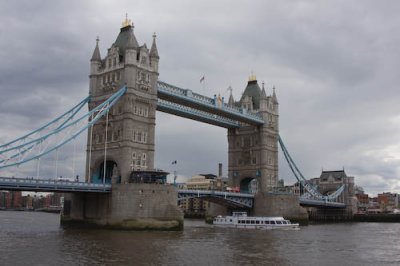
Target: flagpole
[204, 85]
[203, 80]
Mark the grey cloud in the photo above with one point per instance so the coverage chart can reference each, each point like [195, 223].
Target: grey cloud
[334, 64]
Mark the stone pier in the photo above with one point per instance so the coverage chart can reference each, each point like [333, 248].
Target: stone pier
[129, 206]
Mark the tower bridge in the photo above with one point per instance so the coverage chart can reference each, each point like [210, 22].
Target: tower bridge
[124, 95]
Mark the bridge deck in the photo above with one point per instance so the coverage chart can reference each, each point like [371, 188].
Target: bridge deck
[45, 185]
[42, 185]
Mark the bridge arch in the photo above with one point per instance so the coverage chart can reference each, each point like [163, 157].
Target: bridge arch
[111, 169]
[248, 185]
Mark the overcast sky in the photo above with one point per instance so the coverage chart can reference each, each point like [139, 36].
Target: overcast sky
[335, 66]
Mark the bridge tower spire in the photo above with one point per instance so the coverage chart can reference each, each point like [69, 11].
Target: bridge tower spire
[131, 122]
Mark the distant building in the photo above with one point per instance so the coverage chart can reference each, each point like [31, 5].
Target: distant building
[328, 183]
[10, 199]
[198, 206]
[363, 203]
[388, 201]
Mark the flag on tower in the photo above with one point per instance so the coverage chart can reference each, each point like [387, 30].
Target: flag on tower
[202, 78]
[174, 162]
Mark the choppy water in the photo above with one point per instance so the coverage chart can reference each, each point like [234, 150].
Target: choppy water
[28, 238]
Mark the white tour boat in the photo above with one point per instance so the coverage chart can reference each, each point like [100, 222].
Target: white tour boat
[241, 220]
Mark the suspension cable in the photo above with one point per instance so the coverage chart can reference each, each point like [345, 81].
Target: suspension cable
[90, 151]
[37, 168]
[105, 150]
[27, 153]
[56, 163]
[73, 161]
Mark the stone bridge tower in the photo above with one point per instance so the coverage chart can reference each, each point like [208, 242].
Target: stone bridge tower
[123, 141]
[253, 150]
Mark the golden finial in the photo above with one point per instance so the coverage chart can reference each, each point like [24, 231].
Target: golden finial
[252, 77]
[127, 22]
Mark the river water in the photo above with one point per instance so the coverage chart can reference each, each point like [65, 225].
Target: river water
[30, 238]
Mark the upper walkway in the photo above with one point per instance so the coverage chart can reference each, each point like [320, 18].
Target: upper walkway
[186, 103]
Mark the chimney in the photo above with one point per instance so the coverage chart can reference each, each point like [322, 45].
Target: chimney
[220, 170]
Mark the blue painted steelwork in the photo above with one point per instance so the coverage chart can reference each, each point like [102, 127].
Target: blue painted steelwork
[64, 118]
[239, 200]
[191, 113]
[321, 203]
[20, 153]
[313, 194]
[215, 106]
[44, 185]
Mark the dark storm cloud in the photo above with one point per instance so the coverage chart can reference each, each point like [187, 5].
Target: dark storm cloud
[334, 64]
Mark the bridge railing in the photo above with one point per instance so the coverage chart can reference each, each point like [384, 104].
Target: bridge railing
[12, 182]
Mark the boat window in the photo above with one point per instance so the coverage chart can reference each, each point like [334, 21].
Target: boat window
[230, 220]
[252, 222]
[266, 222]
[272, 222]
[257, 222]
[278, 222]
[247, 221]
[284, 222]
